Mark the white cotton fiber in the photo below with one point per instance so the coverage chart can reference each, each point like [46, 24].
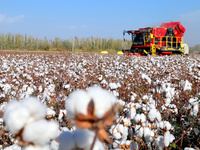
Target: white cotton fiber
[15, 116]
[36, 147]
[139, 130]
[40, 132]
[83, 138]
[165, 125]
[113, 86]
[168, 138]
[103, 100]
[36, 108]
[13, 147]
[12, 105]
[148, 134]
[152, 114]
[67, 141]
[54, 145]
[77, 102]
[159, 142]
[50, 112]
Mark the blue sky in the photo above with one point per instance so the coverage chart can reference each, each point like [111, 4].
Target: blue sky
[100, 18]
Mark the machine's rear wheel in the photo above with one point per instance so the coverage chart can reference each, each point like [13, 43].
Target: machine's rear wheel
[186, 49]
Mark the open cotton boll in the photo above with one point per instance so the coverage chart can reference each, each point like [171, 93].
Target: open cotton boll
[144, 76]
[103, 100]
[140, 118]
[77, 102]
[195, 109]
[36, 147]
[15, 116]
[40, 132]
[50, 112]
[66, 140]
[148, 134]
[61, 114]
[36, 108]
[152, 114]
[11, 106]
[83, 138]
[165, 125]
[168, 138]
[139, 130]
[113, 86]
[114, 130]
[13, 147]
[159, 142]
[54, 145]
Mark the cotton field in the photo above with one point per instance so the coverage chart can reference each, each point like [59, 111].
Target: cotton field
[64, 101]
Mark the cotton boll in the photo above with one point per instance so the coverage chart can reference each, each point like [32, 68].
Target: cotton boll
[158, 116]
[36, 108]
[132, 113]
[36, 147]
[139, 130]
[117, 135]
[11, 106]
[126, 122]
[13, 147]
[83, 138]
[40, 132]
[54, 145]
[168, 138]
[67, 141]
[152, 114]
[113, 86]
[143, 118]
[195, 109]
[144, 76]
[133, 97]
[116, 143]
[159, 142]
[50, 112]
[137, 118]
[165, 125]
[77, 102]
[62, 112]
[148, 135]
[15, 116]
[103, 100]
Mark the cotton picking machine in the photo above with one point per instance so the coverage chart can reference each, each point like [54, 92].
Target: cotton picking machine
[164, 40]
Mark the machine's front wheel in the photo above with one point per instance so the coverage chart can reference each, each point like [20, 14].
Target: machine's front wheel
[186, 49]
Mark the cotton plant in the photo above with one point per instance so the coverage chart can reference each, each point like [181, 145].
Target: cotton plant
[93, 109]
[26, 119]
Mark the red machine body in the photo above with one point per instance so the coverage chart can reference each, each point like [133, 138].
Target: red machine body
[164, 40]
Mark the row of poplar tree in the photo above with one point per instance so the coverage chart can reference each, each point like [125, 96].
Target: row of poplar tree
[23, 42]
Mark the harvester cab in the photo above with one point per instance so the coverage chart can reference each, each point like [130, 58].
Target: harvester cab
[164, 40]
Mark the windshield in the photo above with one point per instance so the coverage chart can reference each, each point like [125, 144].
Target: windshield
[137, 38]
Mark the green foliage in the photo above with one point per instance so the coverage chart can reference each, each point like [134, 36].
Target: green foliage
[93, 44]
